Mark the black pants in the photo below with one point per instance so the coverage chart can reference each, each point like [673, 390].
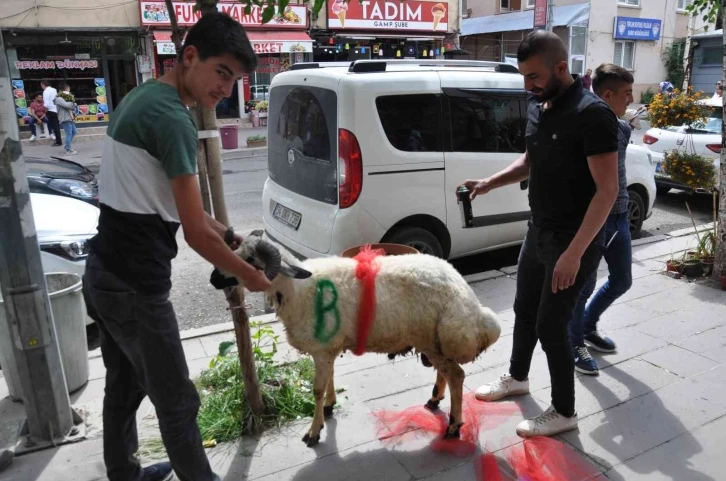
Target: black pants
[54, 126]
[544, 316]
[143, 354]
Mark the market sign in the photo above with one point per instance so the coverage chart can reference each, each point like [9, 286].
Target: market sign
[156, 14]
[392, 15]
[56, 64]
[281, 46]
[632, 28]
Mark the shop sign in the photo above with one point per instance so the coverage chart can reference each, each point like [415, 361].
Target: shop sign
[393, 15]
[632, 28]
[540, 13]
[282, 46]
[156, 14]
[55, 64]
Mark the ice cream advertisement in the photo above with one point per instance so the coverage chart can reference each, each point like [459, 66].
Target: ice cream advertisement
[392, 15]
[155, 13]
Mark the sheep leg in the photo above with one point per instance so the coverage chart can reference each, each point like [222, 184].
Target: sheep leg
[330, 396]
[438, 392]
[455, 376]
[323, 372]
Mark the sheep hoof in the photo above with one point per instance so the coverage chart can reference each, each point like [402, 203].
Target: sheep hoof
[311, 441]
[453, 432]
[432, 405]
[328, 411]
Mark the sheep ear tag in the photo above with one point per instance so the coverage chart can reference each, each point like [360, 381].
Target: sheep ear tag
[294, 272]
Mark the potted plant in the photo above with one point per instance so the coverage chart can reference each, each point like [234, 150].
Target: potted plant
[693, 267]
[674, 265]
[689, 169]
[707, 250]
[256, 141]
[682, 107]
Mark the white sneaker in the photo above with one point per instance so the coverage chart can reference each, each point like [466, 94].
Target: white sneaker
[71, 152]
[52, 136]
[32, 138]
[548, 423]
[505, 386]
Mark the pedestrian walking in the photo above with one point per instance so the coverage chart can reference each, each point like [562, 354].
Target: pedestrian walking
[614, 85]
[37, 115]
[66, 103]
[148, 189]
[571, 163]
[49, 95]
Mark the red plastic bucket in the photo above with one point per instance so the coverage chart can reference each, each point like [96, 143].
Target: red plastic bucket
[229, 136]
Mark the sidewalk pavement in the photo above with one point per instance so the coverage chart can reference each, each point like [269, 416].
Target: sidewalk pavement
[89, 153]
[657, 411]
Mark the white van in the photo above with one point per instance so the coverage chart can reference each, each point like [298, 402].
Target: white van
[373, 150]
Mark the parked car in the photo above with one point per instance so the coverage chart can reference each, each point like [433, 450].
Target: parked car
[64, 226]
[706, 138]
[62, 177]
[372, 151]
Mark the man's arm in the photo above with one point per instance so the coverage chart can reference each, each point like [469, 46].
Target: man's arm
[204, 239]
[33, 114]
[516, 172]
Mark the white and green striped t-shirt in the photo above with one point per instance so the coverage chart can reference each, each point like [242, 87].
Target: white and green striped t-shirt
[151, 139]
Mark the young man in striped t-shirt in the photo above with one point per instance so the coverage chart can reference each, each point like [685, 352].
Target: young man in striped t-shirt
[148, 188]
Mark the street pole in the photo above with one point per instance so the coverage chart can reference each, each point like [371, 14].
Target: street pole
[550, 14]
[28, 319]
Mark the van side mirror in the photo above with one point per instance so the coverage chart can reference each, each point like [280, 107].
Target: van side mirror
[524, 184]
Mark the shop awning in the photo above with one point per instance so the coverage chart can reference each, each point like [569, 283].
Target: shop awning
[564, 16]
[273, 41]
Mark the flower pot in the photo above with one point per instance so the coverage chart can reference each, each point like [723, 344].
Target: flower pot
[691, 255]
[693, 268]
[256, 143]
[707, 265]
[674, 266]
[255, 118]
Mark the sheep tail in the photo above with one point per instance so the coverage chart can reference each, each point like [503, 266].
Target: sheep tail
[366, 272]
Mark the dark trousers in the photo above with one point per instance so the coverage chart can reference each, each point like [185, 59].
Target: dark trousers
[619, 257]
[143, 355]
[54, 126]
[542, 315]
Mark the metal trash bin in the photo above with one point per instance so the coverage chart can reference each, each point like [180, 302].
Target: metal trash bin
[68, 308]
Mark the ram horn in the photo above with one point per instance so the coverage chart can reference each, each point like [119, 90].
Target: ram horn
[271, 257]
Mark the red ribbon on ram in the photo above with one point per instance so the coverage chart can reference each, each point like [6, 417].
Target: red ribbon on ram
[366, 272]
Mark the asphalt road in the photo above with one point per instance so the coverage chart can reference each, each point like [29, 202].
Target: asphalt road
[198, 304]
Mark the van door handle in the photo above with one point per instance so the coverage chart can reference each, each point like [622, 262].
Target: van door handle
[524, 184]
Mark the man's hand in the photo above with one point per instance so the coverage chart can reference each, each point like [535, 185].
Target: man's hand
[565, 271]
[257, 282]
[237, 241]
[478, 187]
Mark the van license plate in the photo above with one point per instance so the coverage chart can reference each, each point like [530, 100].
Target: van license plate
[287, 216]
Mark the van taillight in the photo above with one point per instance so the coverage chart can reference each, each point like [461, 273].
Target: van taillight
[649, 139]
[350, 168]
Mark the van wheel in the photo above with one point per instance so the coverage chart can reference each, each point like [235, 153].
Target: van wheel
[418, 238]
[636, 213]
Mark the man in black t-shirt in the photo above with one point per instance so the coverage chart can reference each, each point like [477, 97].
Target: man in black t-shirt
[571, 161]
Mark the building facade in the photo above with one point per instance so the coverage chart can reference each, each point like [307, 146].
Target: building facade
[706, 61]
[635, 34]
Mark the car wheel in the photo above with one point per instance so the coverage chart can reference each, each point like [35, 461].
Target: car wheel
[662, 189]
[417, 237]
[636, 213]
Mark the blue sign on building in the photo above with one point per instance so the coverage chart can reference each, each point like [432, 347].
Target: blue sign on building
[631, 28]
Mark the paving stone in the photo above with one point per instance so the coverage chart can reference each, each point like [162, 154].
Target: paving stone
[630, 343]
[497, 355]
[710, 344]
[679, 361]
[614, 385]
[283, 448]
[629, 429]
[623, 315]
[694, 456]
[496, 294]
[193, 349]
[681, 324]
[647, 286]
[362, 463]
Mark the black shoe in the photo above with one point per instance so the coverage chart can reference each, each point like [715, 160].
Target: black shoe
[57, 145]
[600, 343]
[158, 472]
[584, 362]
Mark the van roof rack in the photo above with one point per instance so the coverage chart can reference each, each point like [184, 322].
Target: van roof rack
[370, 66]
[309, 65]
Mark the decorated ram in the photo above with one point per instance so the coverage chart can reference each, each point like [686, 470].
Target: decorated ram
[387, 304]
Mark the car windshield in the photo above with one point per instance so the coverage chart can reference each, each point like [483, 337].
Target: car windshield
[710, 125]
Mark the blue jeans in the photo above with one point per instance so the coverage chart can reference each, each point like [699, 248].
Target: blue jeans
[32, 123]
[71, 131]
[619, 257]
